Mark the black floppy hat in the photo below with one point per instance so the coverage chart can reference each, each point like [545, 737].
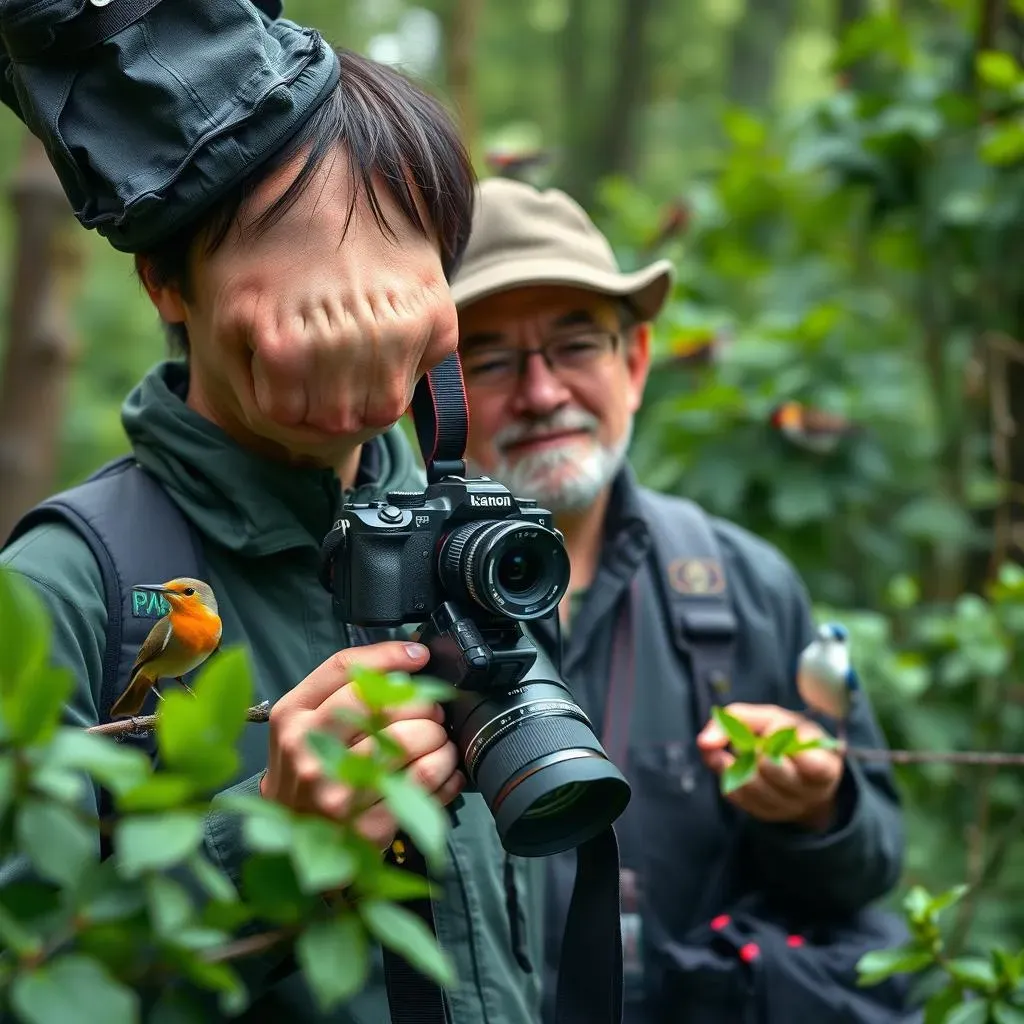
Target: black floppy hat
[151, 110]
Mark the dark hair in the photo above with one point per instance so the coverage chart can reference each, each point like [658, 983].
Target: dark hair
[391, 128]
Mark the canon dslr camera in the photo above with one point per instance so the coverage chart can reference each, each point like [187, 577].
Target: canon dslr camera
[472, 563]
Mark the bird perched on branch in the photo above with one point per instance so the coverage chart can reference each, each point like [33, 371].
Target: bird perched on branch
[179, 642]
[825, 677]
[811, 429]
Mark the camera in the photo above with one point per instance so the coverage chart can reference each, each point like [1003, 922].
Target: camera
[472, 564]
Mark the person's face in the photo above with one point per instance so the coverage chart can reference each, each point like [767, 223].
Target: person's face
[558, 432]
[308, 338]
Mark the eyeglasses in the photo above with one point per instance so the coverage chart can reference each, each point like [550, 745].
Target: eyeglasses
[564, 356]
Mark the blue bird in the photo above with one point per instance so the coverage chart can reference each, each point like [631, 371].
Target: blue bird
[825, 678]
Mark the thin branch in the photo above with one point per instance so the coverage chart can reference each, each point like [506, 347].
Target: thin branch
[251, 945]
[147, 723]
[973, 757]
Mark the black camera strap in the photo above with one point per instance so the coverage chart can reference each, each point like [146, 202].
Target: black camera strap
[590, 970]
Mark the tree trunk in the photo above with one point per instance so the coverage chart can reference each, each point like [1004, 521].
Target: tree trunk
[40, 344]
[756, 47]
[463, 27]
[575, 163]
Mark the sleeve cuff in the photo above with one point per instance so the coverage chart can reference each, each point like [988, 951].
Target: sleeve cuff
[847, 819]
[223, 829]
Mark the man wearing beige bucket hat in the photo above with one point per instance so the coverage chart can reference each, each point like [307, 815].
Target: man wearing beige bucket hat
[670, 612]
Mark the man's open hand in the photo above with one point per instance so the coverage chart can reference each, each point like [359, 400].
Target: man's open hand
[294, 776]
[801, 790]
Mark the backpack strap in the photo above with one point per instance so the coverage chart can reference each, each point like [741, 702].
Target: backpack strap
[138, 536]
[691, 576]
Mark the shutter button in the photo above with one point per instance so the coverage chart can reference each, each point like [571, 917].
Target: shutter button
[390, 514]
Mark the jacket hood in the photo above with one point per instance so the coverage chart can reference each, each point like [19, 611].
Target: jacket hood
[235, 498]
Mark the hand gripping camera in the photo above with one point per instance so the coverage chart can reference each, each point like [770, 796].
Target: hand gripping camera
[471, 563]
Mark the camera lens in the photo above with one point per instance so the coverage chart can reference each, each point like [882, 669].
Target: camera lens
[539, 767]
[518, 571]
[512, 568]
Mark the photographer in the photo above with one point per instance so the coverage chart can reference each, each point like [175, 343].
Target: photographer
[307, 299]
[750, 908]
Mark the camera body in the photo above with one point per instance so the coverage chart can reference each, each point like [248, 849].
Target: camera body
[406, 556]
[471, 564]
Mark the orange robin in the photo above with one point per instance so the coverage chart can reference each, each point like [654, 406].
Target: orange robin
[181, 641]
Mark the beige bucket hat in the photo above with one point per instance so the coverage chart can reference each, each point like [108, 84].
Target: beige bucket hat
[526, 236]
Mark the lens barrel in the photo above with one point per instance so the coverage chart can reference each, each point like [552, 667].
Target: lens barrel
[534, 758]
[509, 567]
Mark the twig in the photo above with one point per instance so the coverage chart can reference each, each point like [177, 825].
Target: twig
[250, 945]
[983, 757]
[147, 723]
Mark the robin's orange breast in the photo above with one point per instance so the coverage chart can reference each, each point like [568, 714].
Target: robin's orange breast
[198, 631]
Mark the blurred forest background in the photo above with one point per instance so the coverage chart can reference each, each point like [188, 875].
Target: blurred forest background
[841, 186]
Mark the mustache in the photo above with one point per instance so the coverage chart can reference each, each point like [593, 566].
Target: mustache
[564, 419]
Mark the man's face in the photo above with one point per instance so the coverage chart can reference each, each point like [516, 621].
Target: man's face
[307, 338]
[559, 432]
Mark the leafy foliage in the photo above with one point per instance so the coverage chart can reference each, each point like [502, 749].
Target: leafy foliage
[751, 748]
[859, 257]
[955, 990]
[86, 938]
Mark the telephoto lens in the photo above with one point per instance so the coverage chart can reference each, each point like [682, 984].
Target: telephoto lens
[526, 745]
[534, 758]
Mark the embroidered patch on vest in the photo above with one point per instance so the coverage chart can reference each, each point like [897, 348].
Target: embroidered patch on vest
[148, 605]
[696, 576]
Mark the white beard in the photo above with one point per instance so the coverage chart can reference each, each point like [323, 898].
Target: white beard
[567, 478]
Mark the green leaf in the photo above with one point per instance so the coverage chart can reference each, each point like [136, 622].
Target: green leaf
[974, 1012]
[380, 691]
[404, 933]
[934, 519]
[740, 736]
[191, 742]
[73, 988]
[198, 735]
[212, 878]
[58, 844]
[268, 833]
[104, 897]
[26, 641]
[334, 957]
[945, 900]
[739, 773]
[156, 841]
[161, 792]
[224, 689]
[1007, 1013]
[64, 786]
[1003, 143]
[1008, 966]
[997, 69]
[269, 885]
[418, 814]
[974, 973]
[918, 904]
[14, 935]
[220, 978]
[779, 743]
[387, 883]
[8, 782]
[36, 713]
[117, 767]
[880, 964]
[321, 856]
[170, 905]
